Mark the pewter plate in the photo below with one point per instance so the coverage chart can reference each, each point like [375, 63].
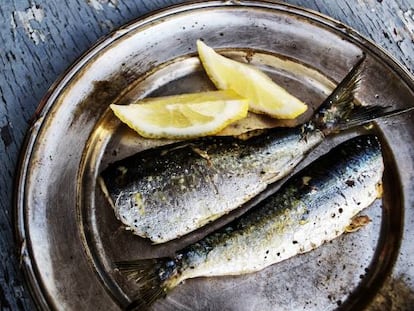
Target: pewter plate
[69, 234]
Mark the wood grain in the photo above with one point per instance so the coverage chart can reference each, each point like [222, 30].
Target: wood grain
[40, 39]
[389, 24]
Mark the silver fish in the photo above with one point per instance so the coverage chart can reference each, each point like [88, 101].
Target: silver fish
[314, 206]
[165, 193]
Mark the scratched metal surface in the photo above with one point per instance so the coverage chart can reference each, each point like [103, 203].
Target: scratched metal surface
[41, 39]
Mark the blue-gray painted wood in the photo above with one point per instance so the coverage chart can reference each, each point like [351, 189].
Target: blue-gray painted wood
[40, 39]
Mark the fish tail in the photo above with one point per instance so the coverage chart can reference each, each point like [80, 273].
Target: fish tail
[364, 114]
[149, 275]
[341, 111]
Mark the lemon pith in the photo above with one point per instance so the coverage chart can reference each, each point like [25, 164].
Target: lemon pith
[183, 116]
[264, 95]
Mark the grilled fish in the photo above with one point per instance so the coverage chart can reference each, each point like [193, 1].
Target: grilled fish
[167, 192]
[314, 206]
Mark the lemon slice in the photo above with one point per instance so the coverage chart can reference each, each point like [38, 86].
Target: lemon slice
[183, 116]
[264, 95]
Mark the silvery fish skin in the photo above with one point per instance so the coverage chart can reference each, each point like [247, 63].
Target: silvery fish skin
[186, 186]
[165, 193]
[313, 207]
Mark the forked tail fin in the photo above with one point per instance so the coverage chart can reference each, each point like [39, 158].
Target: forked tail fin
[148, 275]
[341, 111]
[364, 114]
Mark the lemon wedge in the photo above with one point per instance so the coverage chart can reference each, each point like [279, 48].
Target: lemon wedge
[183, 116]
[264, 95]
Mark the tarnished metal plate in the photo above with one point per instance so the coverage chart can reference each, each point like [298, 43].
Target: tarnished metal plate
[69, 234]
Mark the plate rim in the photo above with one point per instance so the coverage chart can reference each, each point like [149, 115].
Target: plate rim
[22, 236]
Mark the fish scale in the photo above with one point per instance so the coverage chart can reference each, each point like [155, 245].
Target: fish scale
[314, 206]
[182, 190]
[170, 191]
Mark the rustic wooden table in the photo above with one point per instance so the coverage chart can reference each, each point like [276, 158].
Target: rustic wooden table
[40, 39]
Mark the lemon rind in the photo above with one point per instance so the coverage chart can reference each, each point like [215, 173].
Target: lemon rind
[284, 105]
[132, 115]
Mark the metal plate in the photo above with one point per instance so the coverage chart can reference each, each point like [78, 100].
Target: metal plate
[69, 234]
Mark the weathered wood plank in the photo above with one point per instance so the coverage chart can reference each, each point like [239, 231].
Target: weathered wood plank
[40, 39]
[390, 24]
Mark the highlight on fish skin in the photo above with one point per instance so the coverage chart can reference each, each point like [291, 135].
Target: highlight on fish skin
[165, 193]
[314, 206]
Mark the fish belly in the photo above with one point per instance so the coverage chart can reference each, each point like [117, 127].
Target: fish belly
[166, 194]
[312, 208]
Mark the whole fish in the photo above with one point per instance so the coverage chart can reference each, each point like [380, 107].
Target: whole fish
[313, 207]
[167, 192]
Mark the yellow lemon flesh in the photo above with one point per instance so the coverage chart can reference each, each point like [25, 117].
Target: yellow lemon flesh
[183, 116]
[264, 95]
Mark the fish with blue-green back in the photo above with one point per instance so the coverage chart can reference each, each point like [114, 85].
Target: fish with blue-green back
[314, 206]
[167, 192]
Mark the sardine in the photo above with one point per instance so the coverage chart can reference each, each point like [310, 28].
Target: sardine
[167, 192]
[314, 206]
